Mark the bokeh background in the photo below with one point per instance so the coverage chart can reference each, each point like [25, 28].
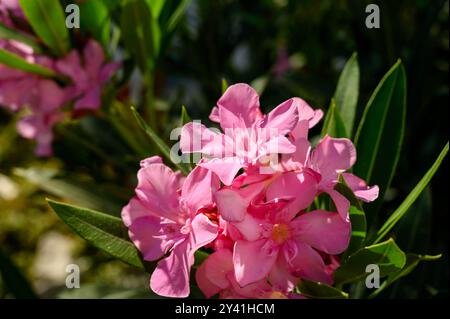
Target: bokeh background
[285, 48]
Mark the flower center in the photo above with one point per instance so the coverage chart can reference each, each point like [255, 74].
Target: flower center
[274, 295]
[280, 232]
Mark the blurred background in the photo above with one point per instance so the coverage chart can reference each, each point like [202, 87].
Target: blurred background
[284, 49]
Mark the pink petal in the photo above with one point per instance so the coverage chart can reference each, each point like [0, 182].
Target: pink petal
[171, 276]
[342, 204]
[323, 230]
[151, 160]
[241, 101]
[308, 264]
[360, 188]
[281, 277]
[208, 288]
[332, 156]
[132, 211]
[197, 189]
[93, 58]
[253, 260]
[300, 186]
[218, 265]
[90, 100]
[231, 206]
[149, 234]
[203, 231]
[283, 118]
[157, 190]
[249, 227]
[225, 168]
[278, 145]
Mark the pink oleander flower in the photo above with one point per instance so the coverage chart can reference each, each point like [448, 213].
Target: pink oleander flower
[44, 98]
[278, 243]
[216, 276]
[166, 217]
[249, 136]
[330, 158]
[88, 75]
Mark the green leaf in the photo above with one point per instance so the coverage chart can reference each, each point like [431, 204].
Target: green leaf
[412, 260]
[104, 231]
[10, 34]
[136, 23]
[346, 94]
[224, 85]
[380, 133]
[185, 118]
[260, 84]
[95, 20]
[16, 62]
[411, 198]
[176, 16]
[387, 255]
[165, 151]
[333, 125]
[48, 21]
[92, 195]
[14, 280]
[317, 290]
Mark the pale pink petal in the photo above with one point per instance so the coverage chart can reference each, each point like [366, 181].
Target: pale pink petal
[152, 237]
[171, 276]
[342, 204]
[225, 168]
[214, 116]
[332, 156]
[151, 160]
[278, 145]
[325, 231]
[360, 188]
[241, 101]
[283, 118]
[302, 186]
[231, 206]
[249, 227]
[308, 264]
[197, 189]
[281, 277]
[203, 231]
[218, 265]
[208, 288]
[253, 260]
[157, 190]
[132, 211]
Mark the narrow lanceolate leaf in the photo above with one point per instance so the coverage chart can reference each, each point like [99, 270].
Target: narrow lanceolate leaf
[16, 62]
[412, 260]
[185, 118]
[95, 20]
[380, 133]
[317, 290]
[386, 255]
[346, 94]
[136, 22]
[89, 194]
[14, 280]
[10, 34]
[333, 124]
[104, 231]
[165, 150]
[48, 21]
[224, 85]
[411, 198]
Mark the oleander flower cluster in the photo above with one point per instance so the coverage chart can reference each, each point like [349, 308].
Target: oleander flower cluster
[42, 100]
[248, 203]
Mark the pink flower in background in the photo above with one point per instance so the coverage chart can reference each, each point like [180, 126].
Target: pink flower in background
[88, 74]
[44, 98]
[165, 217]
